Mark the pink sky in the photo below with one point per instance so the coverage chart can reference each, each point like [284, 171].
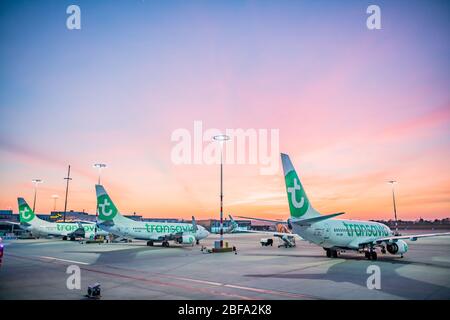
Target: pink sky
[354, 107]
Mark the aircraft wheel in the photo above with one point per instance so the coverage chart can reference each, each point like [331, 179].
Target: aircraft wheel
[165, 243]
[373, 255]
[150, 243]
[197, 242]
[367, 254]
[64, 238]
[328, 253]
[334, 253]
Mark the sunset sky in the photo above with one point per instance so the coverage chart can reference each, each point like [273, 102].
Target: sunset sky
[354, 107]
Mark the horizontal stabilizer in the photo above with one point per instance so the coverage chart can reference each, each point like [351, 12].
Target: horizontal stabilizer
[303, 222]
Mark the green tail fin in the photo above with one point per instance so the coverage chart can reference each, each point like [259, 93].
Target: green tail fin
[25, 212]
[105, 207]
[299, 204]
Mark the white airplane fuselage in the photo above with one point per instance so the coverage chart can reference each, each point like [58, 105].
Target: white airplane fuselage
[342, 233]
[155, 231]
[61, 229]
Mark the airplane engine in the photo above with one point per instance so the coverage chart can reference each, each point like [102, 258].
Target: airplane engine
[399, 247]
[189, 239]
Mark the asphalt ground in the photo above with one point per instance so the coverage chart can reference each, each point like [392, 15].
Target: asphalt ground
[36, 269]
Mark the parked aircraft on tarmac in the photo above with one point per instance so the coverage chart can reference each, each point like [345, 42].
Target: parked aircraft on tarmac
[67, 230]
[336, 235]
[110, 220]
[286, 236]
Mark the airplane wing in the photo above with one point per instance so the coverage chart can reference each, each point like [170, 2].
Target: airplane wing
[275, 233]
[412, 237]
[300, 221]
[13, 223]
[265, 220]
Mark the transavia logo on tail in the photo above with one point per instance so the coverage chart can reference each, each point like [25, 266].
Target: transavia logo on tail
[106, 209]
[298, 202]
[26, 215]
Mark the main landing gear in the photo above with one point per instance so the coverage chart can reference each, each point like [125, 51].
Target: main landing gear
[150, 243]
[331, 253]
[165, 243]
[371, 255]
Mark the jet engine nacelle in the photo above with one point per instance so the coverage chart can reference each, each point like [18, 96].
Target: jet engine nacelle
[188, 239]
[399, 247]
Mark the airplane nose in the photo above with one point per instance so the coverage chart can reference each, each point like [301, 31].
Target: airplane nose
[203, 233]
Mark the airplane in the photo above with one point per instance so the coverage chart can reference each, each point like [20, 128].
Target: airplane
[286, 236]
[67, 230]
[337, 235]
[232, 228]
[110, 220]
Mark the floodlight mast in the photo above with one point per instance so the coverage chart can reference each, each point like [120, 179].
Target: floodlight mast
[99, 166]
[36, 182]
[393, 182]
[221, 138]
[54, 197]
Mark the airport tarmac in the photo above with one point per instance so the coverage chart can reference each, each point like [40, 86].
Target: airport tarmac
[36, 269]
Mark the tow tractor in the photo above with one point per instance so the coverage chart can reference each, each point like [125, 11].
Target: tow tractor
[265, 242]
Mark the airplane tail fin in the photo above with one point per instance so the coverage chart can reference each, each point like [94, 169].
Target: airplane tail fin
[194, 224]
[26, 215]
[299, 204]
[234, 224]
[106, 209]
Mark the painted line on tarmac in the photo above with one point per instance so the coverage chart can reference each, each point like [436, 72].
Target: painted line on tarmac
[167, 284]
[211, 283]
[64, 260]
[40, 258]
[151, 281]
[264, 291]
[219, 284]
[205, 290]
[272, 292]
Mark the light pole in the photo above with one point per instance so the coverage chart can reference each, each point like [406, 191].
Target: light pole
[393, 182]
[35, 182]
[222, 139]
[68, 178]
[99, 166]
[55, 197]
